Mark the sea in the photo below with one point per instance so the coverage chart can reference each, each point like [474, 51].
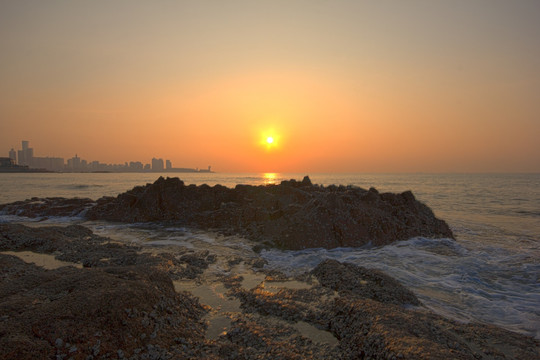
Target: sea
[489, 274]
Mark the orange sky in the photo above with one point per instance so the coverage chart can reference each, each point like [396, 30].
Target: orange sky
[343, 86]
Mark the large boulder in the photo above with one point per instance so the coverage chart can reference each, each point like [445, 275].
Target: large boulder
[291, 215]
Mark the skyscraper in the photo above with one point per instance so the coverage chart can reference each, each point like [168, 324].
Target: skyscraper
[157, 164]
[25, 155]
[13, 155]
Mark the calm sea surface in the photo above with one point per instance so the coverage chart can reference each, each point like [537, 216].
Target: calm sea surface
[490, 274]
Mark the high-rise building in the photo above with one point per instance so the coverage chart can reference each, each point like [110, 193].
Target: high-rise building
[168, 164]
[25, 155]
[74, 163]
[135, 166]
[48, 163]
[157, 164]
[13, 155]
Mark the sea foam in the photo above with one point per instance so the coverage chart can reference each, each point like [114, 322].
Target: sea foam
[488, 285]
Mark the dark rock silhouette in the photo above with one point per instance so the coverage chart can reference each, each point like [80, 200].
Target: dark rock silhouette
[291, 215]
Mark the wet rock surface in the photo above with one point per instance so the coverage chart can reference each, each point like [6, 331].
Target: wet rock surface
[125, 306]
[292, 215]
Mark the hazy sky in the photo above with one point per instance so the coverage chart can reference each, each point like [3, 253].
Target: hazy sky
[348, 86]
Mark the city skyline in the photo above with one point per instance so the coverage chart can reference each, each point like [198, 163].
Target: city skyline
[25, 157]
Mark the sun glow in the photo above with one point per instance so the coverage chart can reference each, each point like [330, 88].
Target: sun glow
[269, 139]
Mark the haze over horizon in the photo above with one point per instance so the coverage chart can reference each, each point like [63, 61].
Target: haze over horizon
[276, 86]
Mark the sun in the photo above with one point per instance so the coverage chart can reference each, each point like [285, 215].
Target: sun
[270, 140]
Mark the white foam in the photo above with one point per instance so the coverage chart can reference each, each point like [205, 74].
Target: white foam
[489, 284]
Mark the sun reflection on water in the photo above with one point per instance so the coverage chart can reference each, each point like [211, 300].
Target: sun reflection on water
[270, 178]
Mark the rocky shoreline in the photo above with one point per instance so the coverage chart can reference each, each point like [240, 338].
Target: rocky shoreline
[68, 293]
[124, 301]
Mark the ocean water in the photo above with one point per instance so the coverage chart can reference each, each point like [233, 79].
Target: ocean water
[490, 274]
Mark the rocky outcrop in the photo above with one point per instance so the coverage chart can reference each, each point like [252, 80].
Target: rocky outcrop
[292, 215]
